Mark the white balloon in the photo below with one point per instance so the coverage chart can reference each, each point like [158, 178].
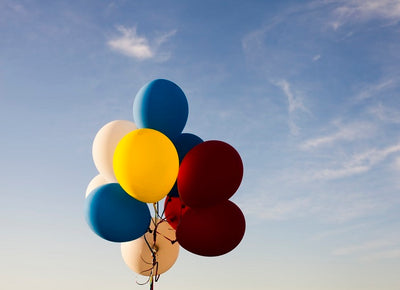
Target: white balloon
[104, 145]
[139, 258]
[97, 181]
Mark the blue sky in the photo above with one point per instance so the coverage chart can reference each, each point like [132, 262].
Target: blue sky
[306, 91]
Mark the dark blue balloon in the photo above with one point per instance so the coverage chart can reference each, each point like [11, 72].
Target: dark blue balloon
[184, 143]
[174, 191]
[116, 216]
[161, 105]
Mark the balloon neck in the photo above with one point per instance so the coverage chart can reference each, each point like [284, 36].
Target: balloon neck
[154, 249]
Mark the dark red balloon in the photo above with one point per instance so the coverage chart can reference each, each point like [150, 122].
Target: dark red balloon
[211, 172]
[211, 231]
[174, 209]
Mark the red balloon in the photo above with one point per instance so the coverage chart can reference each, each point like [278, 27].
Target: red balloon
[210, 172]
[174, 209]
[211, 231]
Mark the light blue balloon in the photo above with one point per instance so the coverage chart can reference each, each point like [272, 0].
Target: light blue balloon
[161, 105]
[116, 216]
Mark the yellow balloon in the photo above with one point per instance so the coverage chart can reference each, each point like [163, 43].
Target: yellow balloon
[146, 164]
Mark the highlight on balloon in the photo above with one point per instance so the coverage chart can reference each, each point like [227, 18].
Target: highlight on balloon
[158, 189]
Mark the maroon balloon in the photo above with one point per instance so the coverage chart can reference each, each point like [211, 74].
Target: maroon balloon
[174, 209]
[211, 172]
[211, 231]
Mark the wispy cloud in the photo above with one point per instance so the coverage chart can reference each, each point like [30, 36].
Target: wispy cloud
[385, 114]
[349, 132]
[316, 57]
[329, 207]
[343, 230]
[294, 104]
[358, 163]
[365, 10]
[388, 248]
[370, 245]
[384, 254]
[285, 209]
[396, 164]
[131, 44]
[377, 89]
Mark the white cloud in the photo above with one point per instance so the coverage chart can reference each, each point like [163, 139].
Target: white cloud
[340, 172]
[329, 234]
[388, 248]
[385, 114]
[377, 89]
[358, 163]
[350, 132]
[316, 57]
[365, 10]
[329, 207]
[385, 254]
[285, 209]
[294, 104]
[370, 245]
[131, 44]
[396, 164]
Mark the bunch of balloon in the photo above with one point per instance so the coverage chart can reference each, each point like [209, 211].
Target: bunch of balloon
[146, 161]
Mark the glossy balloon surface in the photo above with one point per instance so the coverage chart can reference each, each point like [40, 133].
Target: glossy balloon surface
[116, 216]
[211, 231]
[161, 105]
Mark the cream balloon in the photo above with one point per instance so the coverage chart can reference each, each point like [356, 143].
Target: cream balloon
[139, 258]
[94, 183]
[104, 145]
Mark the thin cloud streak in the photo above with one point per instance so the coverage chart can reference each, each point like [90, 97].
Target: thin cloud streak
[365, 10]
[294, 104]
[371, 245]
[316, 57]
[382, 255]
[385, 114]
[388, 248]
[358, 163]
[377, 89]
[348, 132]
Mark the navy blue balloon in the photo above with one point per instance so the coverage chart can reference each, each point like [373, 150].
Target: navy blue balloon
[184, 143]
[161, 105]
[116, 216]
[174, 191]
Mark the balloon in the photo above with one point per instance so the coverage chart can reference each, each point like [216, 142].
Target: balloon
[185, 142]
[174, 191]
[116, 216]
[174, 209]
[94, 183]
[146, 164]
[104, 144]
[211, 231]
[210, 173]
[161, 105]
[139, 258]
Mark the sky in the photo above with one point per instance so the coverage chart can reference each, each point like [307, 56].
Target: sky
[306, 91]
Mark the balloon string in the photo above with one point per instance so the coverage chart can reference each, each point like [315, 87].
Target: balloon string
[151, 283]
[154, 276]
